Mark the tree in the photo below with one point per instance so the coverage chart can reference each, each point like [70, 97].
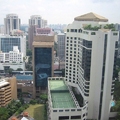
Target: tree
[10, 70]
[44, 97]
[29, 52]
[33, 102]
[3, 114]
[30, 60]
[19, 69]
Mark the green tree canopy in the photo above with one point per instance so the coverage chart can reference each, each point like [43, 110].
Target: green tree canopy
[44, 97]
[29, 52]
[19, 69]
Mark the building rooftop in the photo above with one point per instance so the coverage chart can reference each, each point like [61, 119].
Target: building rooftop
[3, 82]
[91, 17]
[49, 44]
[61, 97]
[57, 85]
[24, 77]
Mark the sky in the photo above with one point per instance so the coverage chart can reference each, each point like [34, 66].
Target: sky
[59, 11]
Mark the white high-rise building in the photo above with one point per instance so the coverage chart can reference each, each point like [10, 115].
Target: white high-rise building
[37, 20]
[91, 49]
[11, 22]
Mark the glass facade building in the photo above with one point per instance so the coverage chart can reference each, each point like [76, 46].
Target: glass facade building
[43, 66]
[8, 43]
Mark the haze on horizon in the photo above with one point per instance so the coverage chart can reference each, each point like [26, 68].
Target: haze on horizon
[59, 11]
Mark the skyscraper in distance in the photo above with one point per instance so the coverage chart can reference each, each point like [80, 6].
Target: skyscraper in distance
[35, 21]
[11, 22]
[61, 46]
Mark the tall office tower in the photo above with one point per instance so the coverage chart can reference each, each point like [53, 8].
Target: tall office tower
[43, 48]
[44, 23]
[91, 50]
[1, 29]
[11, 22]
[61, 46]
[31, 33]
[35, 20]
[7, 42]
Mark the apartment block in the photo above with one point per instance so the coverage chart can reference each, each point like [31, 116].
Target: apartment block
[8, 90]
[11, 22]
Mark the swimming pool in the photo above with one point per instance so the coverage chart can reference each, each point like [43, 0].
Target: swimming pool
[112, 103]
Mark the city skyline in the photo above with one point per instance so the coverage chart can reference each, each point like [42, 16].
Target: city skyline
[56, 11]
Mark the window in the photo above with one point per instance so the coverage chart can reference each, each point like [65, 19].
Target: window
[93, 33]
[75, 30]
[115, 33]
[67, 109]
[83, 115]
[72, 30]
[67, 30]
[60, 110]
[76, 117]
[64, 117]
[54, 110]
[72, 109]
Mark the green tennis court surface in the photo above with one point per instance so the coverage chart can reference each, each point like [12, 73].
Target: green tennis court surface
[61, 98]
[57, 85]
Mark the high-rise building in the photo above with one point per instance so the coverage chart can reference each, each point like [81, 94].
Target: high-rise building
[35, 21]
[44, 23]
[43, 48]
[7, 42]
[11, 22]
[1, 29]
[31, 33]
[61, 46]
[8, 90]
[117, 27]
[91, 51]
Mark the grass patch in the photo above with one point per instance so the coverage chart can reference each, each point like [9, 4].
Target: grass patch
[36, 111]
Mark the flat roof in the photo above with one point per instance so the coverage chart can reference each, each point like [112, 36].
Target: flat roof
[3, 83]
[57, 85]
[61, 97]
[24, 77]
[43, 43]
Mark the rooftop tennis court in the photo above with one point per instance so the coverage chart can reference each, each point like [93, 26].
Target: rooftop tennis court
[61, 98]
[57, 85]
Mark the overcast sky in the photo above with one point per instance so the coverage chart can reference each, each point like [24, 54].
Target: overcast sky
[60, 11]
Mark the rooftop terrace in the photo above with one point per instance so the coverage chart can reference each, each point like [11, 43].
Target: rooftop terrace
[60, 95]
